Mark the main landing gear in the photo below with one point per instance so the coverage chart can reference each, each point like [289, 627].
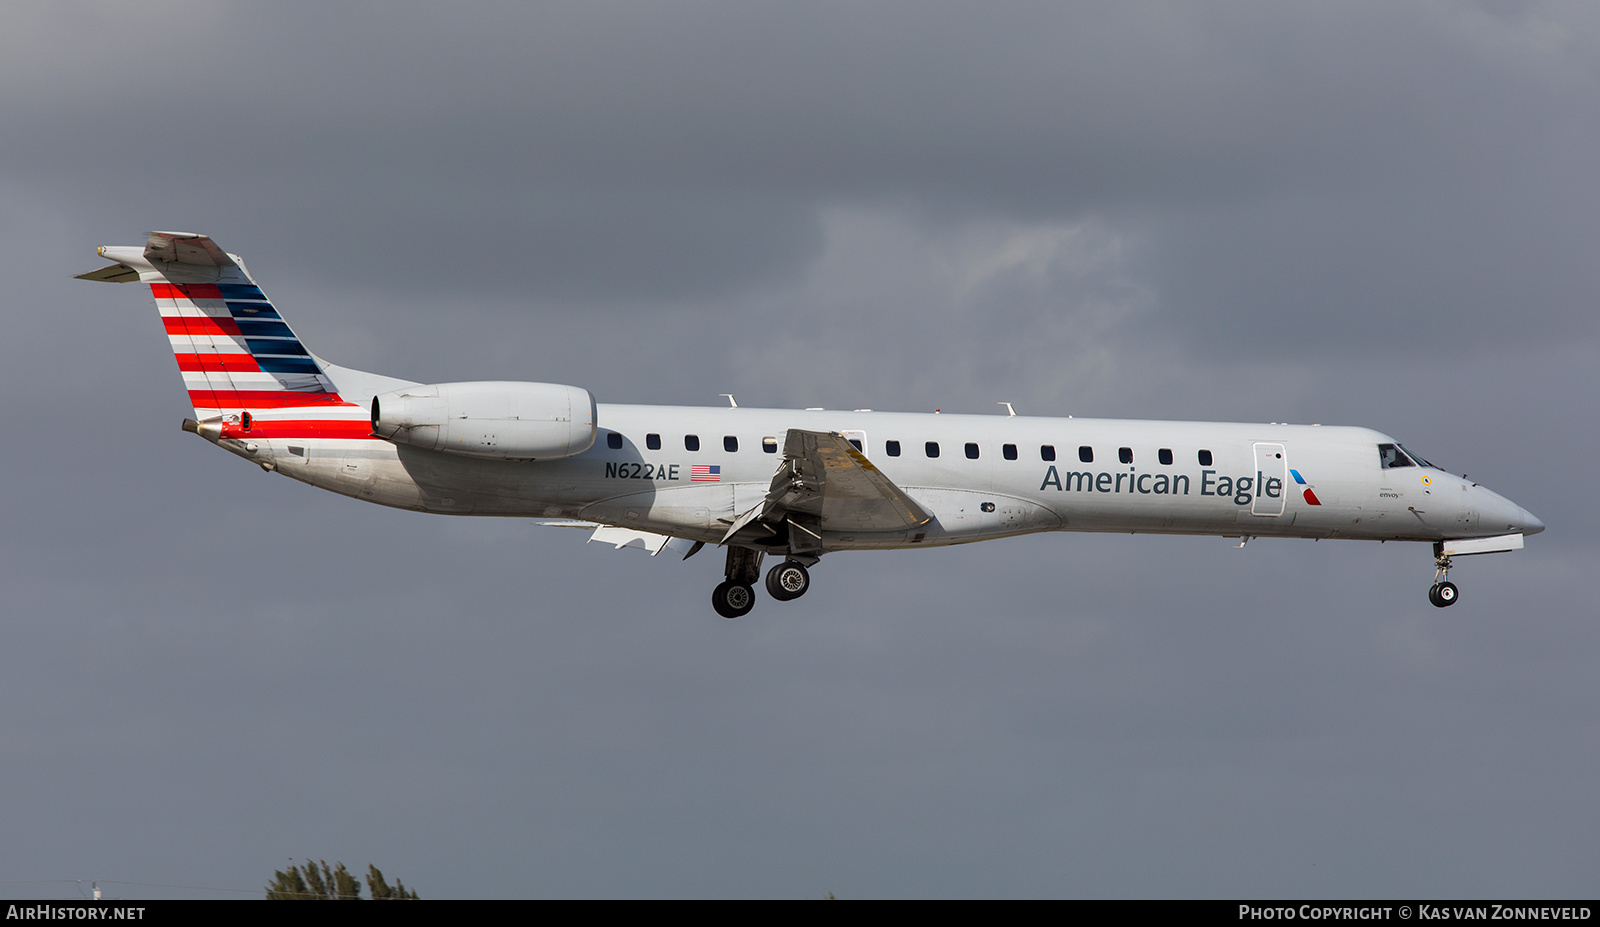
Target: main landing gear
[788, 580]
[1444, 592]
[733, 600]
[735, 596]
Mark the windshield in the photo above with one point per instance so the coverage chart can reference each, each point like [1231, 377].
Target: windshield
[1393, 456]
[1418, 458]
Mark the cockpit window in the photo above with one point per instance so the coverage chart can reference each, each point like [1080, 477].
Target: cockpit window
[1392, 457]
[1414, 456]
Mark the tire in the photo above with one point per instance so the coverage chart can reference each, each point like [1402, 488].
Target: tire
[788, 580]
[1445, 594]
[733, 600]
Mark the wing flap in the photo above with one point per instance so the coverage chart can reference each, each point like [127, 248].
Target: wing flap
[825, 484]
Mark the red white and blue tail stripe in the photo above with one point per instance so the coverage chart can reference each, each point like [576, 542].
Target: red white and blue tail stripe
[235, 351]
[241, 362]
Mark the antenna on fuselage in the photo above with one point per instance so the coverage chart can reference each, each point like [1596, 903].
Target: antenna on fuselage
[1009, 411]
[731, 403]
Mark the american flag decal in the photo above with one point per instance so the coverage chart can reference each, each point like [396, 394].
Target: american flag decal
[705, 473]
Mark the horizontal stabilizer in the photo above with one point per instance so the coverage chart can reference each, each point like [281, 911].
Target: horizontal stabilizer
[1492, 545]
[185, 248]
[170, 257]
[115, 273]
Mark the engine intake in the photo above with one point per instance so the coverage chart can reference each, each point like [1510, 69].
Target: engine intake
[500, 420]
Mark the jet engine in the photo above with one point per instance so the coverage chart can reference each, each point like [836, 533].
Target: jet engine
[500, 420]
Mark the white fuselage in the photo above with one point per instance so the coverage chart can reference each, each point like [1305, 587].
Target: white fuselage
[1222, 479]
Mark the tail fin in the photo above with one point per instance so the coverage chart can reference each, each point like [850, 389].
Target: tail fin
[234, 350]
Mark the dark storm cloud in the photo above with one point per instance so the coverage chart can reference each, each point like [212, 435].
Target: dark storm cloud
[630, 150]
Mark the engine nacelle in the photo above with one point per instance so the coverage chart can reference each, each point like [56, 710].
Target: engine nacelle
[502, 420]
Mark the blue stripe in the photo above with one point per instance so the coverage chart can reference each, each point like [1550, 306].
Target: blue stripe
[274, 347]
[240, 291]
[1297, 477]
[263, 328]
[288, 364]
[253, 311]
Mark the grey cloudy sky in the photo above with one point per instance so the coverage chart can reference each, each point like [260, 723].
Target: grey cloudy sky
[1368, 213]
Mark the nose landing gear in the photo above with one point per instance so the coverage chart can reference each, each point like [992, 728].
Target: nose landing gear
[1444, 592]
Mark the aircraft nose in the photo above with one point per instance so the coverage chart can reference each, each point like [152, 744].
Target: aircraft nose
[1498, 510]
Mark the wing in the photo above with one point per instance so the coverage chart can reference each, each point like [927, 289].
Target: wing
[825, 484]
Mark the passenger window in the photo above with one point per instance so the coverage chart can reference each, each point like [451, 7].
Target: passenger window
[730, 444]
[1392, 458]
[1047, 452]
[769, 445]
[932, 447]
[1205, 458]
[972, 451]
[1086, 454]
[614, 441]
[1125, 454]
[892, 448]
[1008, 451]
[856, 443]
[1165, 456]
[653, 442]
[691, 442]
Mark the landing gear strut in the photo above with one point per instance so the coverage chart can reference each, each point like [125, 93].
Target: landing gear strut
[1444, 592]
[735, 597]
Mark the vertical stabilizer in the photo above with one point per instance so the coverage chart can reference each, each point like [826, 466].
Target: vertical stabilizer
[236, 353]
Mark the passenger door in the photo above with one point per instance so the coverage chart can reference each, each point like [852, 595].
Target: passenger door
[1271, 464]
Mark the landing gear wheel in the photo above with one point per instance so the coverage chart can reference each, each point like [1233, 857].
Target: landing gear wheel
[788, 580]
[733, 600]
[1443, 594]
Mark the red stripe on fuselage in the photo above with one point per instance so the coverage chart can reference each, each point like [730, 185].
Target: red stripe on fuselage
[200, 325]
[262, 399]
[303, 428]
[218, 363]
[189, 291]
